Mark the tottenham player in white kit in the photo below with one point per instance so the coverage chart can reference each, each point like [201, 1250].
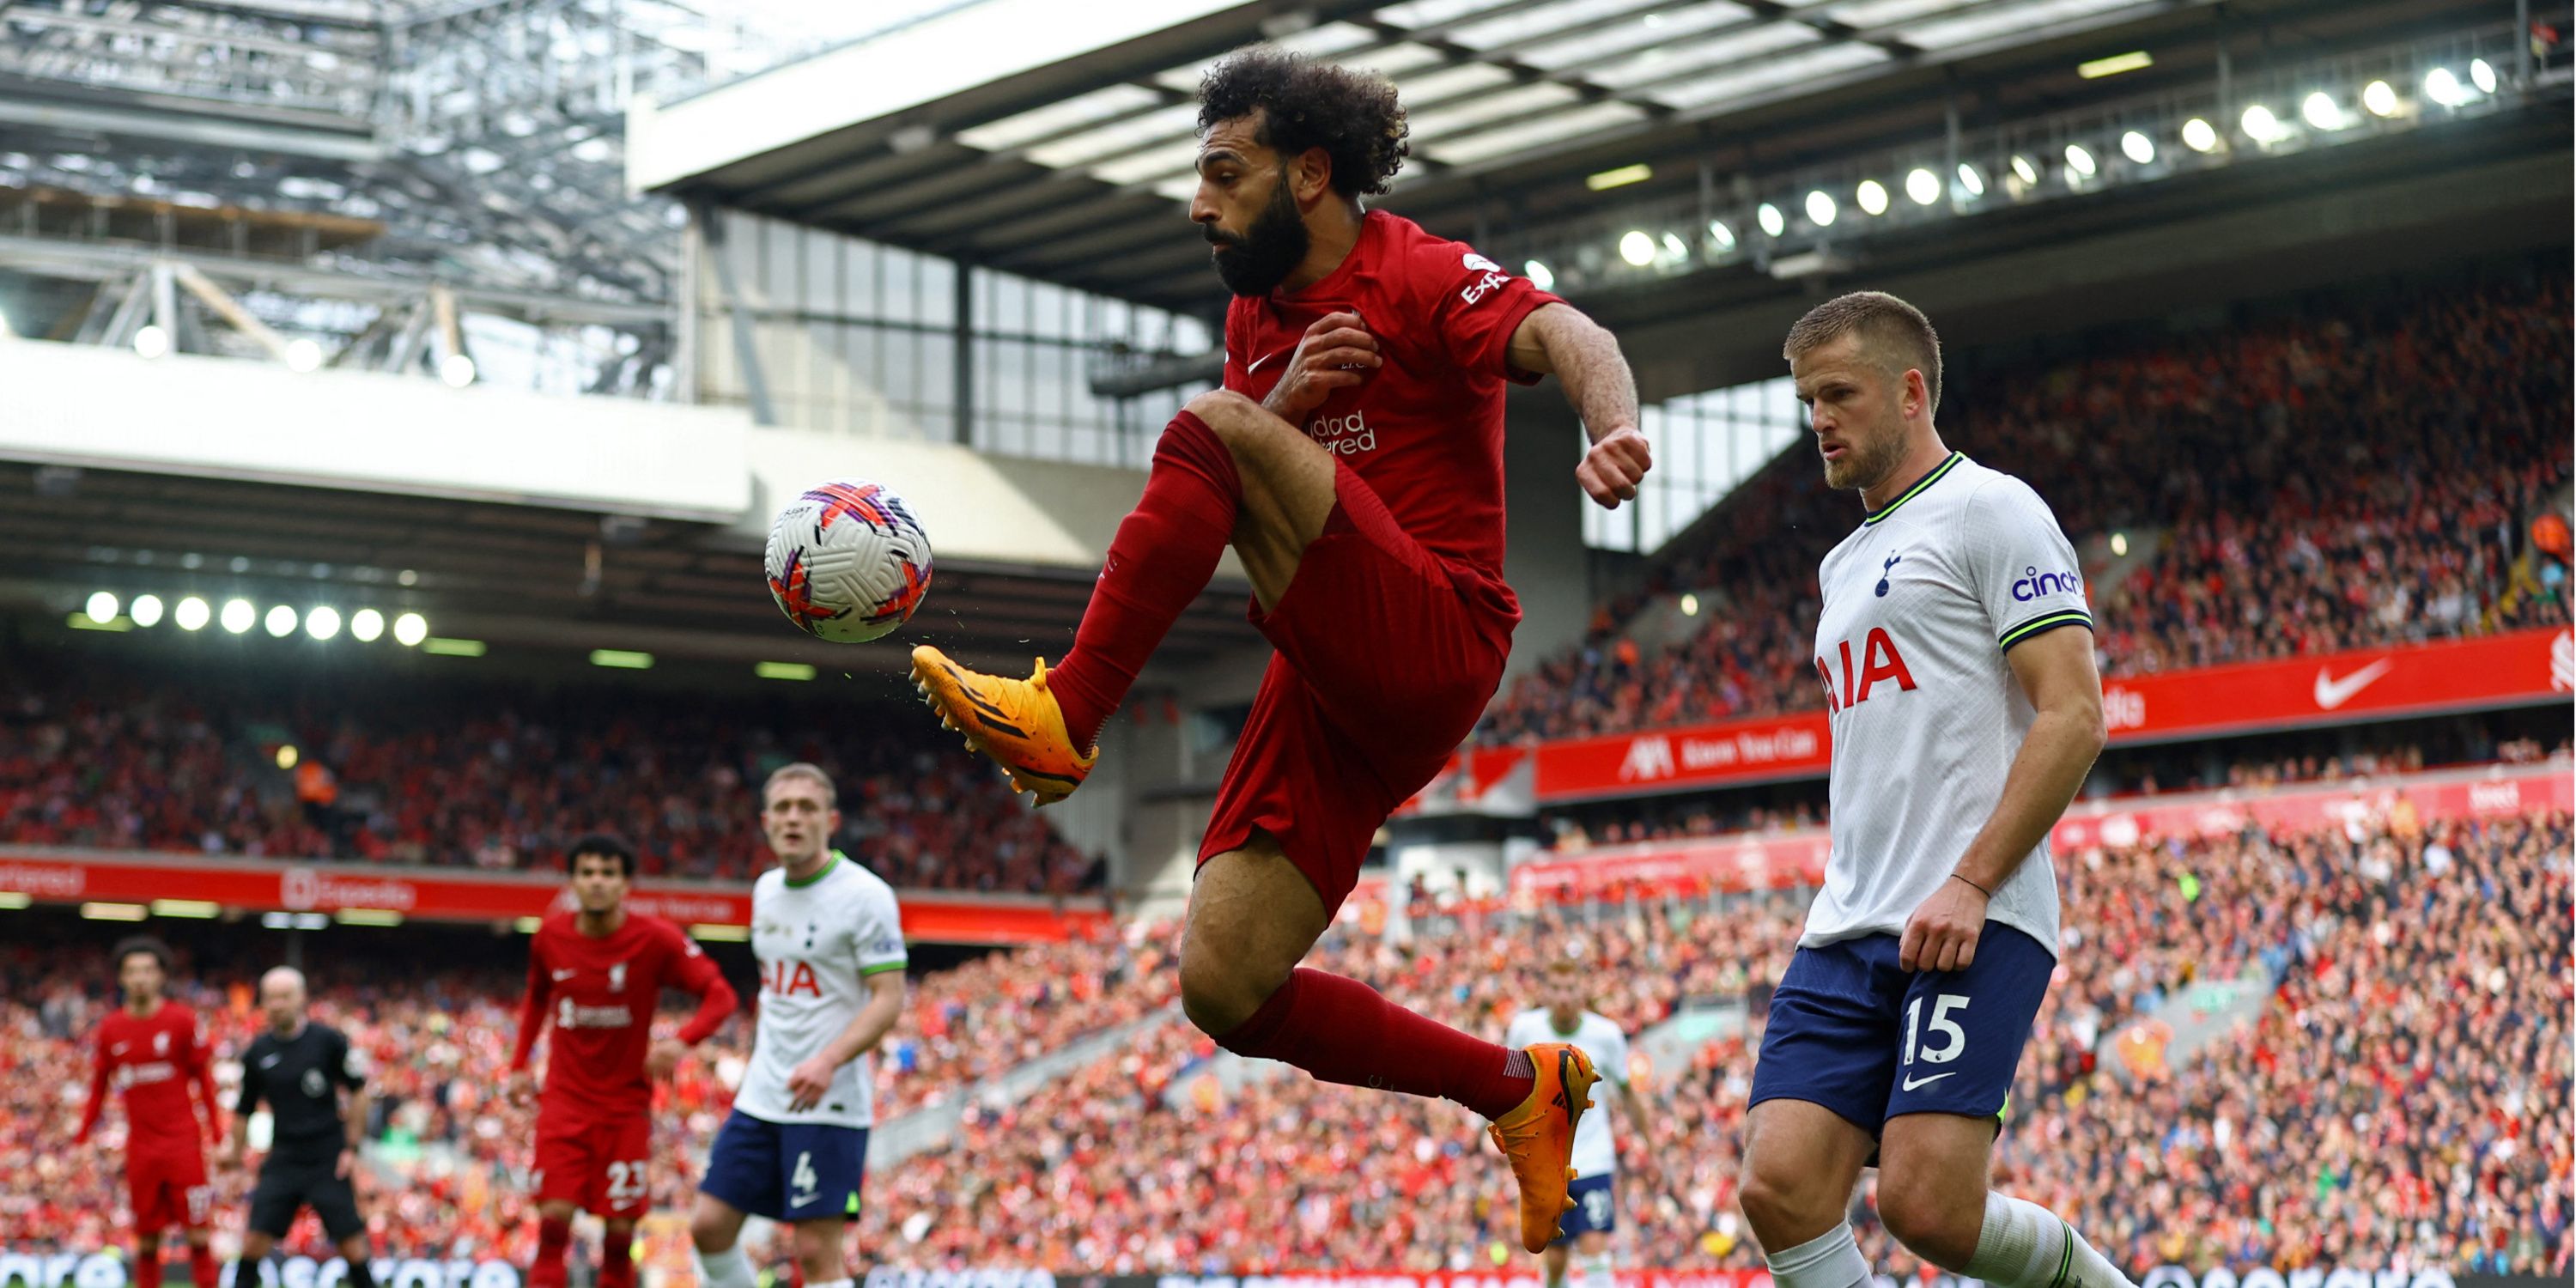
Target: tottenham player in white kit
[1956, 653]
[1595, 1214]
[830, 944]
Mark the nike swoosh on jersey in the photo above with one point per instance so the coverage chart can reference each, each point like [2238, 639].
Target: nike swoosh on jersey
[2332, 693]
[562, 975]
[1264, 360]
[1912, 1083]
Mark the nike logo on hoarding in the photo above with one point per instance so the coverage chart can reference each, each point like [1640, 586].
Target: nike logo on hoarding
[2332, 693]
[1912, 1083]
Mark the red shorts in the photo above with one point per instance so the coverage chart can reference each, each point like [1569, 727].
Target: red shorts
[168, 1187]
[595, 1163]
[1386, 660]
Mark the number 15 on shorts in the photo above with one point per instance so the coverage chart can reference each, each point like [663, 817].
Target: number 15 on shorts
[1938, 1041]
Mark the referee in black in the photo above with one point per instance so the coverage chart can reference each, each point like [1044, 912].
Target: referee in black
[301, 1068]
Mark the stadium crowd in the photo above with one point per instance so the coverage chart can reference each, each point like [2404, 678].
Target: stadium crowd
[2359, 474]
[493, 777]
[2423, 965]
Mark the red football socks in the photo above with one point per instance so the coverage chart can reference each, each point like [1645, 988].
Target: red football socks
[1165, 552]
[147, 1270]
[548, 1270]
[617, 1261]
[202, 1270]
[1341, 1030]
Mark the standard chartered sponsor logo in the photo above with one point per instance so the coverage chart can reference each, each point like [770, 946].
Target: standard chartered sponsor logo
[305, 889]
[53, 881]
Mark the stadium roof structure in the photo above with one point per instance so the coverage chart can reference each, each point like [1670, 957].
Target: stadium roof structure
[1056, 141]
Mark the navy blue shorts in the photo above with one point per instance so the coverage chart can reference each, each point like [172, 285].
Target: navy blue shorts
[787, 1171]
[1853, 1033]
[1596, 1207]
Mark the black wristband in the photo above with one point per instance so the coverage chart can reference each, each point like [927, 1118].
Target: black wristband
[1974, 886]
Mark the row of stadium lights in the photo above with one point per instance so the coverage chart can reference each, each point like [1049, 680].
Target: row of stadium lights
[323, 622]
[302, 355]
[2320, 110]
[237, 616]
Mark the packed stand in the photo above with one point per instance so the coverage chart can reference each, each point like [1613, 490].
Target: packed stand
[451, 1152]
[2389, 944]
[493, 777]
[2351, 476]
[2348, 1123]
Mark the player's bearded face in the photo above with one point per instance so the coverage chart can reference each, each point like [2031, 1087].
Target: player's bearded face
[141, 976]
[1257, 259]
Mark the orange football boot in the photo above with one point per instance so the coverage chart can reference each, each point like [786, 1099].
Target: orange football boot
[1538, 1137]
[1016, 722]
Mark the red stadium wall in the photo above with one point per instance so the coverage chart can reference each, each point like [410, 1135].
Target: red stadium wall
[1798, 858]
[2519, 669]
[68, 876]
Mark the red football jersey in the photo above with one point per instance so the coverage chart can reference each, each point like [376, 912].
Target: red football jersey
[153, 1059]
[1426, 430]
[600, 994]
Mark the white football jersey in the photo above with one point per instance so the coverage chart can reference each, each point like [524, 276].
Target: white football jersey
[1920, 606]
[1596, 1152]
[817, 940]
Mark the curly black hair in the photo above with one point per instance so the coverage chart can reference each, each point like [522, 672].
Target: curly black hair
[1351, 114]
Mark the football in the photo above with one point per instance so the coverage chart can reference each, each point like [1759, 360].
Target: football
[847, 562]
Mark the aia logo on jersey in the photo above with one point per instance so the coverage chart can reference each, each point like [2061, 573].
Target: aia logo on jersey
[790, 979]
[1880, 663]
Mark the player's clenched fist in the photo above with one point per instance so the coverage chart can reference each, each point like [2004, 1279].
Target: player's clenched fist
[1942, 933]
[1337, 352]
[1611, 471]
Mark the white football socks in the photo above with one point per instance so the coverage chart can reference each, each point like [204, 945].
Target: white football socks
[1594, 1272]
[2024, 1245]
[1830, 1260]
[726, 1269]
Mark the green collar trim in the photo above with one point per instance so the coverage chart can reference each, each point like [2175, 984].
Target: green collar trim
[1938, 472]
[819, 873]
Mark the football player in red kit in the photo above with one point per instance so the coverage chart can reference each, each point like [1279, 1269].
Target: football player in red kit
[598, 972]
[1354, 462]
[148, 1049]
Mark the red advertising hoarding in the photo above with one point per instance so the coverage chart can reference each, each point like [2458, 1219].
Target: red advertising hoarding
[1798, 858]
[2522, 668]
[67, 876]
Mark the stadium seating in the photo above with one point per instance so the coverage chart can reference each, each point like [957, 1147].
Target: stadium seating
[2386, 942]
[94, 757]
[2339, 478]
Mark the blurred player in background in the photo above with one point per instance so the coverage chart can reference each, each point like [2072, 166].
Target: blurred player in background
[598, 972]
[1595, 1213]
[830, 943]
[148, 1049]
[1354, 462]
[300, 1069]
[1956, 652]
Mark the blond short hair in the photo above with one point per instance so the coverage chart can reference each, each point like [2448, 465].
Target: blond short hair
[1895, 336]
[810, 772]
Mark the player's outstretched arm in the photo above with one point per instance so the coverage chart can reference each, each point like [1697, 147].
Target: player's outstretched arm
[97, 1092]
[1557, 338]
[2056, 671]
[532, 1018]
[205, 1085]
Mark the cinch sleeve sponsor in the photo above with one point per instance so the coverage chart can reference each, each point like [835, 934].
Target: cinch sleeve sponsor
[2023, 567]
[879, 932]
